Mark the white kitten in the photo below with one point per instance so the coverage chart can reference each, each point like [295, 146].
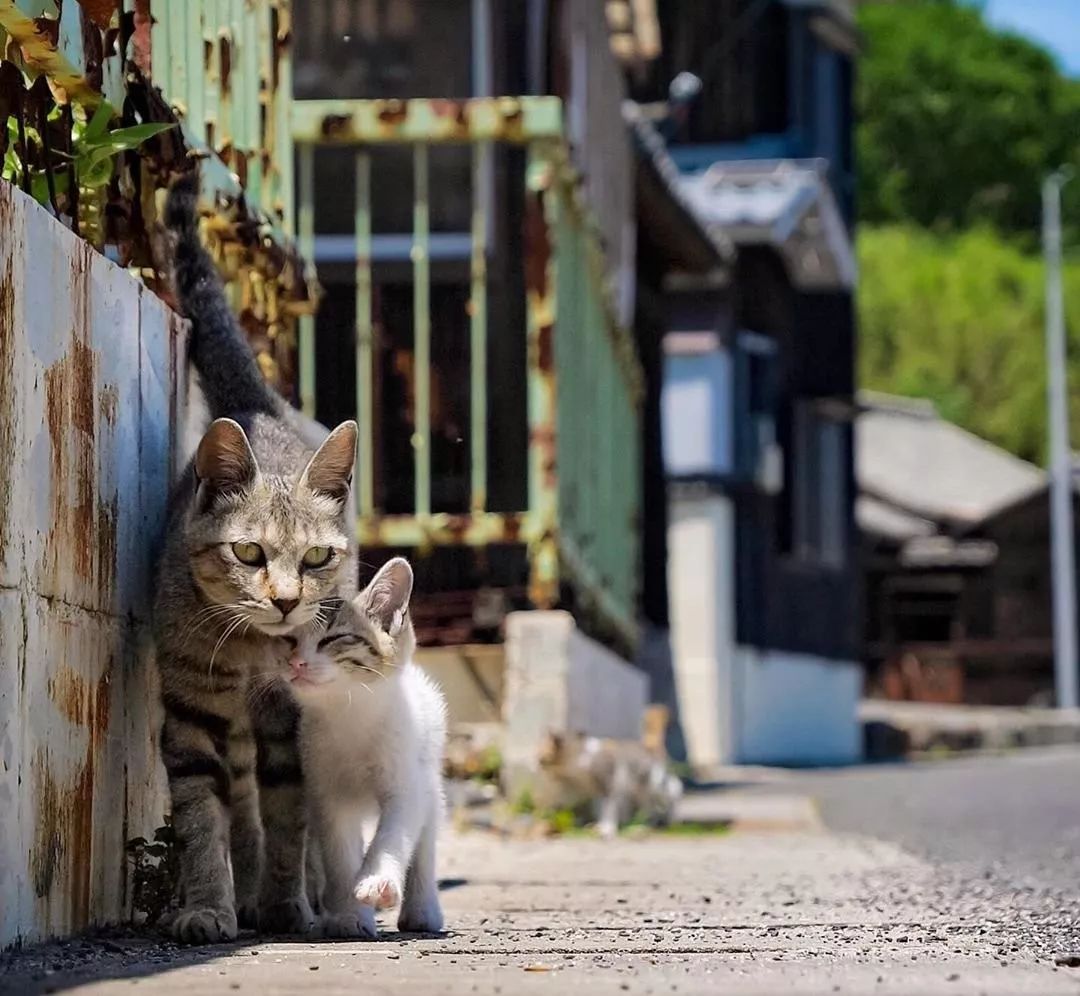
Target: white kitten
[373, 730]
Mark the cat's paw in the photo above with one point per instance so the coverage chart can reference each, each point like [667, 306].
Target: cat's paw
[421, 916]
[354, 924]
[204, 926]
[289, 916]
[380, 892]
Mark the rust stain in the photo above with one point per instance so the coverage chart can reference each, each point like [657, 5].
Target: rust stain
[392, 112]
[63, 836]
[99, 11]
[336, 126]
[48, 837]
[83, 532]
[537, 246]
[81, 702]
[545, 344]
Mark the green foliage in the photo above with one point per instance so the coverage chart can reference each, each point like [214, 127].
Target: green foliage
[95, 146]
[958, 122]
[959, 319]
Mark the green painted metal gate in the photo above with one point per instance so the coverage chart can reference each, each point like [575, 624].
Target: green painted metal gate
[584, 380]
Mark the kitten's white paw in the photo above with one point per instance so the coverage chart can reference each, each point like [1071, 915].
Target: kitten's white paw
[358, 923]
[378, 891]
[421, 916]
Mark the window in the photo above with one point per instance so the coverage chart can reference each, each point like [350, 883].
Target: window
[697, 406]
[755, 411]
[820, 479]
[383, 48]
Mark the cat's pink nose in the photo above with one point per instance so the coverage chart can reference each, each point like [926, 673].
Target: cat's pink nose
[297, 663]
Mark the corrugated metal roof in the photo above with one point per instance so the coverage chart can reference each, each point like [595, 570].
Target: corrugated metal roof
[909, 458]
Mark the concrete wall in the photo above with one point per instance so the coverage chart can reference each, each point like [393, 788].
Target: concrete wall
[91, 382]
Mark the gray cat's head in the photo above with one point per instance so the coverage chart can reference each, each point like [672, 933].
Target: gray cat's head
[271, 547]
[368, 641]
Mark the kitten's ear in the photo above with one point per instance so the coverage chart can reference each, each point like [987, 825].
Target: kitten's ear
[224, 461]
[330, 470]
[386, 599]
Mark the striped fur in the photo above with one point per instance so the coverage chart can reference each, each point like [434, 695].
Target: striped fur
[223, 621]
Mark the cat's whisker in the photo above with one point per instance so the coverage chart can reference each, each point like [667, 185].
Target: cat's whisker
[235, 624]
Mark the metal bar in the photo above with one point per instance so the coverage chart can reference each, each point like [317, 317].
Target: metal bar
[365, 353]
[447, 529]
[194, 83]
[175, 56]
[421, 331]
[306, 239]
[478, 331]
[284, 193]
[506, 119]
[1057, 399]
[541, 381]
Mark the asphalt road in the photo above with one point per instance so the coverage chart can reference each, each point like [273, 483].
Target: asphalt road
[1014, 820]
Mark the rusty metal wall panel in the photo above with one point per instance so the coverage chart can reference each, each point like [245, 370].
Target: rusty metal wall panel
[92, 380]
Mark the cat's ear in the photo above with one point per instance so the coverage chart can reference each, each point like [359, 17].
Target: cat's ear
[386, 599]
[330, 470]
[224, 461]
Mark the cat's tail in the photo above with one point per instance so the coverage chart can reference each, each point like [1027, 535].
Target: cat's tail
[227, 369]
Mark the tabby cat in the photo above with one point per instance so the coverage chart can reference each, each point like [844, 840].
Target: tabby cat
[257, 546]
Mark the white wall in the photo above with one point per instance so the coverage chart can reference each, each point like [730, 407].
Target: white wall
[701, 564]
[794, 709]
[740, 705]
[92, 386]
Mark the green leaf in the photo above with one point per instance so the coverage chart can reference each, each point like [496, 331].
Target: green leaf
[99, 123]
[96, 175]
[124, 139]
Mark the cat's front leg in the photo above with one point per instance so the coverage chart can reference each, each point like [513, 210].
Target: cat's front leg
[193, 745]
[283, 902]
[382, 875]
[246, 826]
[340, 845]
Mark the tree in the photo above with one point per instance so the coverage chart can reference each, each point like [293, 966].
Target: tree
[959, 319]
[958, 122]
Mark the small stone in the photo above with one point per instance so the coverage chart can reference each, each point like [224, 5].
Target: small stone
[313, 968]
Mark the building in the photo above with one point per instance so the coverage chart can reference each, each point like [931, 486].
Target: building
[494, 242]
[755, 100]
[955, 551]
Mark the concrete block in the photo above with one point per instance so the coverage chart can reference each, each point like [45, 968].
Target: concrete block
[560, 681]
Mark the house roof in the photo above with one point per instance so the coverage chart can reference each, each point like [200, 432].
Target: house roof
[689, 243]
[784, 203]
[917, 464]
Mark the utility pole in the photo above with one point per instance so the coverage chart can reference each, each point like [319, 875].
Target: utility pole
[1061, 517]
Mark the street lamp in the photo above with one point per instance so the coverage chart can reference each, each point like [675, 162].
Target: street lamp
[1061, 524]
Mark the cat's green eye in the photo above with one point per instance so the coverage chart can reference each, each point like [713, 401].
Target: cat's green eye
[249, 553]
[318, 556]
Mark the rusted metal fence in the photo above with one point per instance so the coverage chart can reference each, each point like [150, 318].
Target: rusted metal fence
[583, 377]
[219, 72]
